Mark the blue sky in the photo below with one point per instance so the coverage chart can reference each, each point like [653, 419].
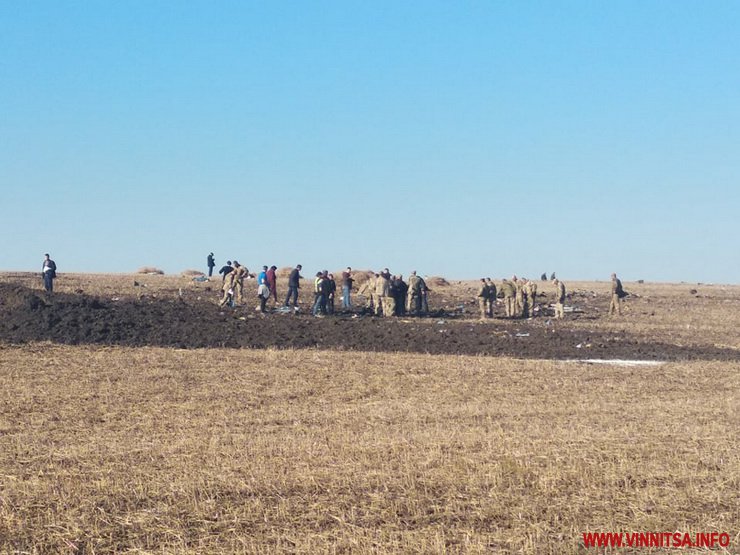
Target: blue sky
[462, 139]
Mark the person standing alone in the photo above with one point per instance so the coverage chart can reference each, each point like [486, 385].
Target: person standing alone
[559, 299]
[211, 263]
[49, 273]
[617, 295]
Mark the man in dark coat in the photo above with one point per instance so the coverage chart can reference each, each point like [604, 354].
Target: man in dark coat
[399, 290]
[226, 270]
[49, 273]
[293, 286]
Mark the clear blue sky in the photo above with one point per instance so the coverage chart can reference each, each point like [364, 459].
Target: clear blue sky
[456, 138]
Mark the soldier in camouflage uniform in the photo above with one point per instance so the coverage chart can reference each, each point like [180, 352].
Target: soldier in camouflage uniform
[617, 294]
[518, 297]
[423, 296]
[413, 300]
[483, 294]
[228, 290]
[237, 280]
[531, 289]
[509, 291]
[492, 294]
[367, 290]
[559, 298]
[384, 300]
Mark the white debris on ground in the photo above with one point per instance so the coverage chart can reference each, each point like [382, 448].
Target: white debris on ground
[617, 361]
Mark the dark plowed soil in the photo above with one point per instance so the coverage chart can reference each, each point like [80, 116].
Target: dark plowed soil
[27, 315]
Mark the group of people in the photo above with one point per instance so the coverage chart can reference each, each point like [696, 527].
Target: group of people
[519, 297]
[233, 275]
[385, 294]
[389, 295]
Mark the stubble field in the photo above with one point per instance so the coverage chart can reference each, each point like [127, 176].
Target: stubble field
[108, 448]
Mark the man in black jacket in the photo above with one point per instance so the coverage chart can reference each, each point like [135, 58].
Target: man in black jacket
[293, 285]
[331, 289]
[226, 270]
[49, 272]
[399, 290]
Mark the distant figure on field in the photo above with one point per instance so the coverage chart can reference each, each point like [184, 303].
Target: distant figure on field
[413, 300]
[531, 290]
[49, 273]
[617, 295]
[237, 280]
[316, 293]
[211, 263]
[552, 276]
[559, 298]
[413, 293]
[228, 290]
[399, 290]
[347, 282]
[424, 292]
[263, 293]
[385, 304]
[294, 284]
[272, 282]
[492, 294]
[508, 290]
[483, 293]
[320, 291]
[543, 277]
[518, 296]
[331, 290]
[226, 270]
[367, 290]
[523, 298]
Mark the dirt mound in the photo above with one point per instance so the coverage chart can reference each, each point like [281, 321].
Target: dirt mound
[361, 276]
[283, 272]
[16, 297]
[27, 315]
[437, 281]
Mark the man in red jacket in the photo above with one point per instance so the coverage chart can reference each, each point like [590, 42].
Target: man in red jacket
[272, 282]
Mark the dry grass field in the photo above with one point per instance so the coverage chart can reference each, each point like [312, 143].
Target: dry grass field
[155, 450]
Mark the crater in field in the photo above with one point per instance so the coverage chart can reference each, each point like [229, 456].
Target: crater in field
[27, 315]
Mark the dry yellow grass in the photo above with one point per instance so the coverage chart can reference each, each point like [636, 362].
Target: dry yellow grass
[113, 450]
